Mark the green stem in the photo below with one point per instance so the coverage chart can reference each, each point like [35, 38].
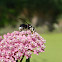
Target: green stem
[22, 58]
[16, 60]
[28, 60]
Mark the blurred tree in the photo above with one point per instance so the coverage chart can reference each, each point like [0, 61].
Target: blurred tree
[44, 10]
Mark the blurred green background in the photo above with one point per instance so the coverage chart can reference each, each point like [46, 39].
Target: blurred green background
[44, 15]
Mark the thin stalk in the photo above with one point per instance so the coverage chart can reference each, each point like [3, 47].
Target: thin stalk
[28, 60]
[22, 58]
[16, 60]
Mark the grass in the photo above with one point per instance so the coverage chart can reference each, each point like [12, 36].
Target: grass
[53, 51]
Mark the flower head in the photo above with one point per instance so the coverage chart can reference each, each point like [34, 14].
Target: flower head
[15, 44]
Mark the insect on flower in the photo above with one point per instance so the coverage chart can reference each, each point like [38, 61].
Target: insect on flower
[27, 27]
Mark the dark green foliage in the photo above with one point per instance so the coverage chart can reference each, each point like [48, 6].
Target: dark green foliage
[10, 9]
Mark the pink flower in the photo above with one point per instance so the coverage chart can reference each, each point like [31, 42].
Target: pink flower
[0, 38]
[28, 54]
[15, 44]
[28, 32]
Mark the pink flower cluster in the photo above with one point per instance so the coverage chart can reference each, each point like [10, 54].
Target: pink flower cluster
[16, 44]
